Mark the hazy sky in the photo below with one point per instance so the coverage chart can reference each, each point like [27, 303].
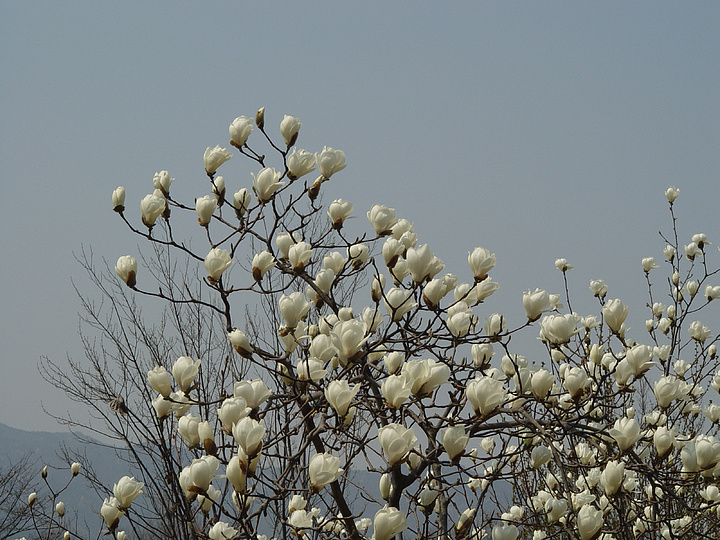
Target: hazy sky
[537, 130]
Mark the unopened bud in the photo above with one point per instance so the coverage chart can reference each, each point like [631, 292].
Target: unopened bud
[260, 118]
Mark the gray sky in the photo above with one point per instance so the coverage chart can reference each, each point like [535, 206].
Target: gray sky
[537, 130]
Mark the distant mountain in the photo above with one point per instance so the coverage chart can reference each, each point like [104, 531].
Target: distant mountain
[42, 448]
[82, 502]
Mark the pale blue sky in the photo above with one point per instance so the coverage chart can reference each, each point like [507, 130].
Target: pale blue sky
[537, 130]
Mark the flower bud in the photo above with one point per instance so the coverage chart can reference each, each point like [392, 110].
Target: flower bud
[118, 200]
[31, 498]
[289, 128]
[75, 468]
[126, 269]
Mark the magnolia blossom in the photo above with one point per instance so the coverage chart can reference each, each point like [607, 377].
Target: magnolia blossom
[712, 293]
[241, 202]
[293, 308]
[575, 380]
[240, 343]
[216, 262]
[348, 338]
[301, 519]
[460, 319]
[300, 163]
[396, 441]
[562, 265]
[299, 255]
[266, 183]
[232, 411]
[188, 429]
[639, 359]
[536, 303]
[481, 262]
[249, 433]
[184, 371]
[151, 207]
[541, 382]
[199, 474]
[339, 395]
[555, 509]
[338, 212]
[126, 491]
[671, 194]
[611, 478]
[310, 370]
[664, 439]
[218, 189]
[162, 406]
[494, 325]
[254, 392]
[558, 329]
[240, 130]
[423, 265]
[330, 161]
[382, 219]
[111, 513]
[648, 263]
[539, 456]
[598, 288]
[388, 523]
[589, 521]
[482, 353]
[334, 261]
[205, 206]
[118, 199]
[126, 269]
[437, 289]
[454, 440]
[505, 532]
[214, 157]
[222, 531]
[425, 375]
[289, 128]
[323, 469]
[426, 500]
[615, 313]
[698, 331]
[626, 432]
[357, 255]
[162, 181]
[398, 302]
[396, 389]
[485, 394]
[666, 390]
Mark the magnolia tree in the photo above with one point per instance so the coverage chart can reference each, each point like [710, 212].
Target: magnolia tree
[307, 383]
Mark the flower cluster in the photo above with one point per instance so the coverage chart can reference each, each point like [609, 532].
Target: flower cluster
[415, 382]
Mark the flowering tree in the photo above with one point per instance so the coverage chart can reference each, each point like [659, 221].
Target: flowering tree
[307, 383]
